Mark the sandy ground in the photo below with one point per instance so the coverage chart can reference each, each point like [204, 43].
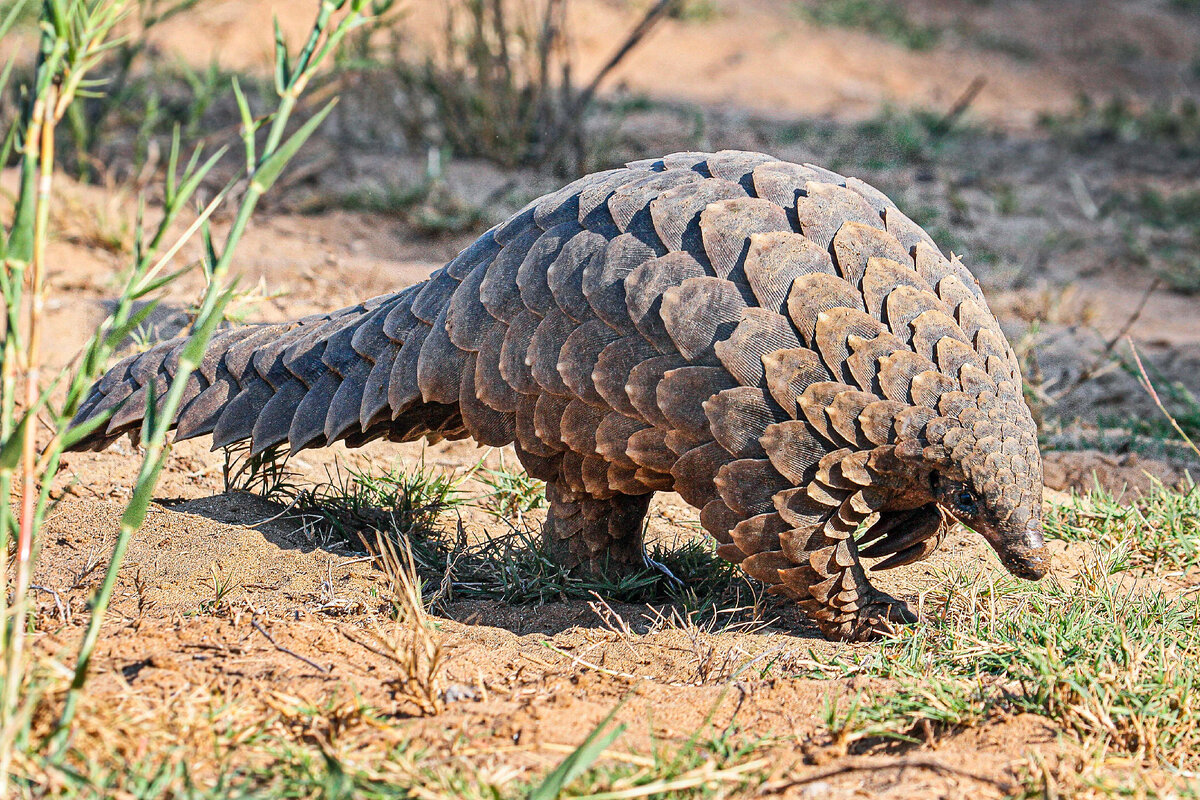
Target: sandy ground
[534, 679]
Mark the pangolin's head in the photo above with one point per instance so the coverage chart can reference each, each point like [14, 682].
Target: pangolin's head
[990, 478]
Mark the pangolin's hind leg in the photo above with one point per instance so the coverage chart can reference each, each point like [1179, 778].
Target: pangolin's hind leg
[600, 536]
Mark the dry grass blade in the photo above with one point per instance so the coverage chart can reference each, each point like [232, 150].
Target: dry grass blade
[1144, 380]
[411, 644]
[292, 653]
[704, 776]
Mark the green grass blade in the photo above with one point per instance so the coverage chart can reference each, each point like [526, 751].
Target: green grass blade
[580, 760]
[78, 433]
[268, 173]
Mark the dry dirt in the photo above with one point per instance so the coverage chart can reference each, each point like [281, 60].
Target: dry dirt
[532, 681]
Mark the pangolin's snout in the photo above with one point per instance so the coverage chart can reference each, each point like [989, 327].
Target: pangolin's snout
[1023, 554]
[1030, 564]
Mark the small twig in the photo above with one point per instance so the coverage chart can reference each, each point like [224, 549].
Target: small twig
[292, 653]
[1144, 380]
[359, 560]
[656, 13]
[943, 125]
[368, 647]
[1083, 198]
[63, 612]
[899, 764]
[1093, 368]
[610, 672]
[290, 506]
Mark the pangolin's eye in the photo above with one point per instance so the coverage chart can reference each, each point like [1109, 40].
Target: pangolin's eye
[965, 503]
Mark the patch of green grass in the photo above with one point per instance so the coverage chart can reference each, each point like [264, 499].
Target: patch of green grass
[339, 749]
[895, 138]
[888, 21]
[948, 239]
[1174, 125]
[1180, 403]
[391, 200]
[1163, 230]
[1159, 530]
[1005, 197]
[514, 568]
[512, 493]
[405, 507]
[1106, 663]
[913, 713]
[222, 587]
[265, 474]
[430, 207]
[1008, 45]
[1125, 433]
[396, 502]
[1166, 211]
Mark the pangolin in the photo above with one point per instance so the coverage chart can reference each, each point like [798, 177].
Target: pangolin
[777, 343]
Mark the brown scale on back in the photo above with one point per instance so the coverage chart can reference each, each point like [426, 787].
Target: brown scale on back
[775, 342]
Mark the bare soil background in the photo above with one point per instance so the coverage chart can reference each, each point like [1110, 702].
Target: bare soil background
[531, 681]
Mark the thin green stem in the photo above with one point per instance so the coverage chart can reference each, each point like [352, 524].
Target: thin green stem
[158, 421]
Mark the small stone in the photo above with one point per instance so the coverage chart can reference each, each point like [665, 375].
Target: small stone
[459, 692]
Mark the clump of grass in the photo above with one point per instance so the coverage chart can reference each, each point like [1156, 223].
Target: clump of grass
[1179, 209]
[499, 82]
[342, 747]
[888, 21]
[1158, 530]
[491, 86]
[512, 494]
[438, 211]
[913, 713]
[265, 474]
[1162, 230]
[1108, 664]
[1174, 125]
[431, 206]
[896, 138]
[709, 764]
[398, 503]
[698, 11]
[405, 507]
[221, 587]
[411, 643]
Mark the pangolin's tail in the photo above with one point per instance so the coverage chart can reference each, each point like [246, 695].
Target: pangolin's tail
[349, 375]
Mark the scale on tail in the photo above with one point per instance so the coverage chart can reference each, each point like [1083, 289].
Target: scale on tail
[777, 343]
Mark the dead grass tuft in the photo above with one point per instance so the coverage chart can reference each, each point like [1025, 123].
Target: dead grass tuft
[411, 642]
